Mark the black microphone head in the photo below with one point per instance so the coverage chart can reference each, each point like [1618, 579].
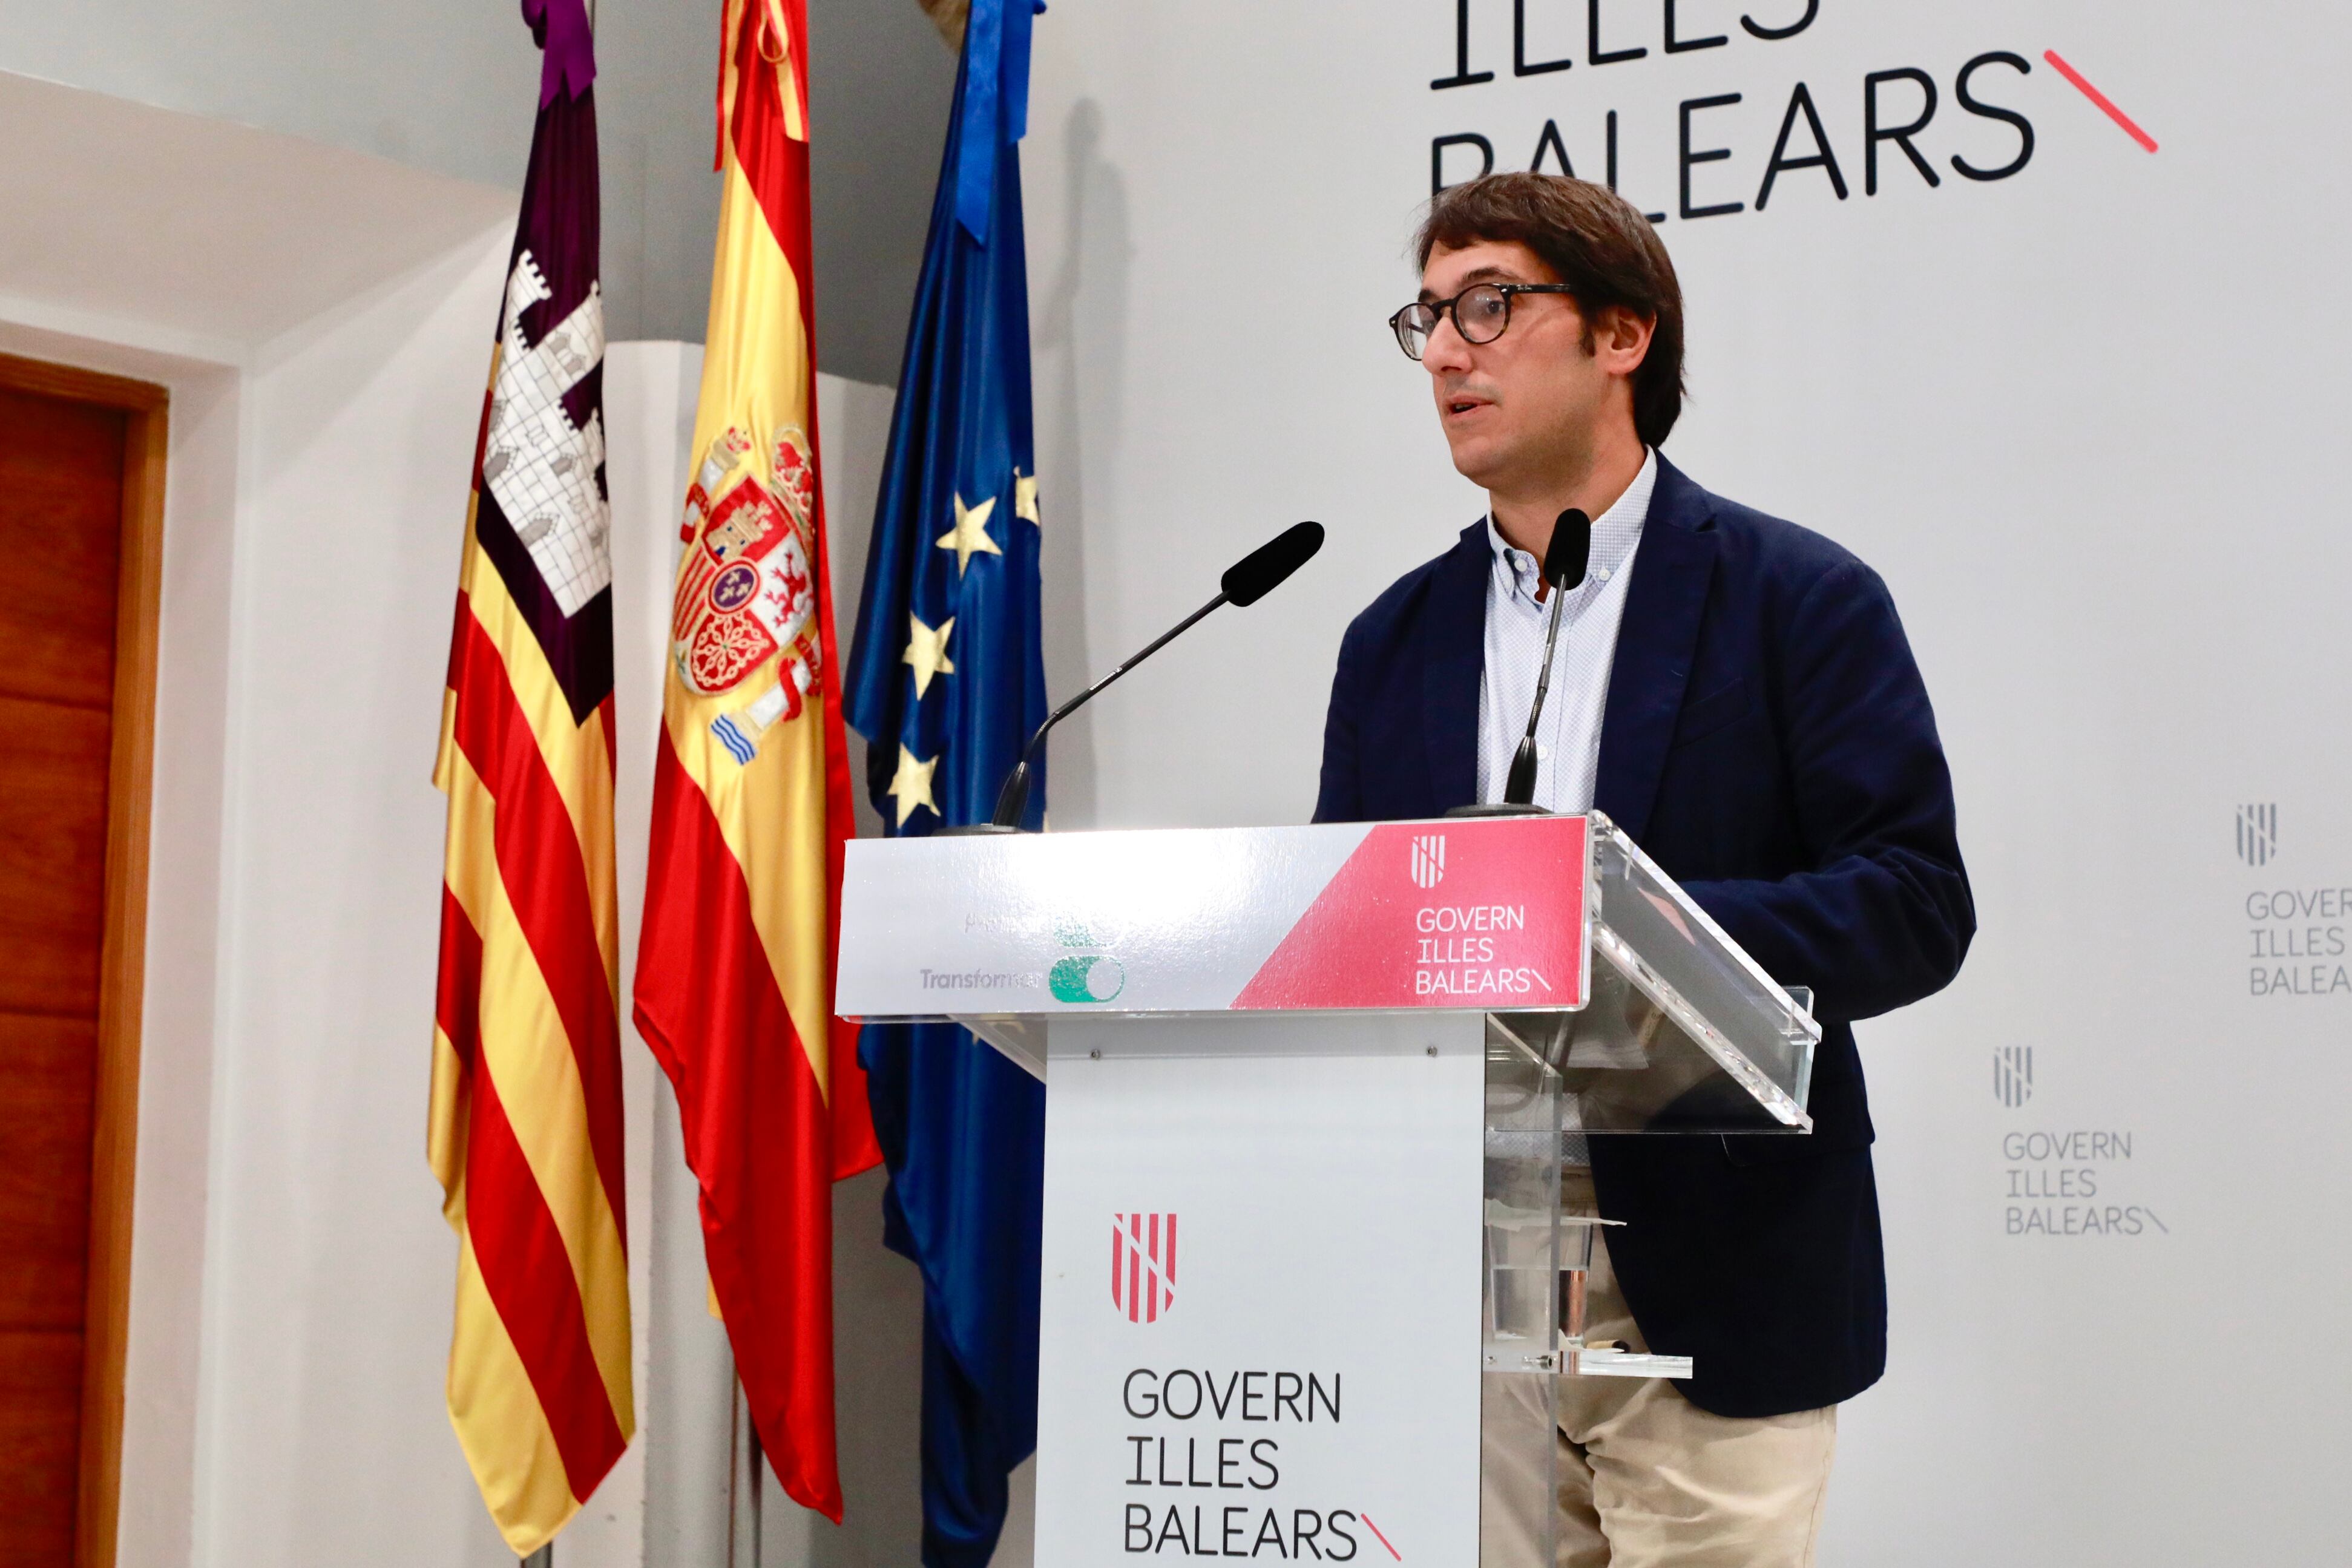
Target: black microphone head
[1570, 551]
[1261, 571]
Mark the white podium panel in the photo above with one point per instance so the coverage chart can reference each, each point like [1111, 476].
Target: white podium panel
[1260, 1303]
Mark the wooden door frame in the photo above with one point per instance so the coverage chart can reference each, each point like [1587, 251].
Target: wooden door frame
[122, 963]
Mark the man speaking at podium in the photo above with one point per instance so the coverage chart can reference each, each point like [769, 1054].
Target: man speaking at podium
[1737, 694]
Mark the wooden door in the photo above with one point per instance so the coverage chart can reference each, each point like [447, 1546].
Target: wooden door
[80, 477]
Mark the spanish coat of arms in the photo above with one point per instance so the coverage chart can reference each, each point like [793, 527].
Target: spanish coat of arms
[746, 589]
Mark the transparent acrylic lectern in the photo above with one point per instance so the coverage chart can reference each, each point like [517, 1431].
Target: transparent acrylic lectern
[1302, 1085]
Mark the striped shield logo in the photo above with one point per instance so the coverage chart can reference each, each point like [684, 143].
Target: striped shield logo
[2012, 1075]
[1428, 860]
[1143, 1264]
[2257, 833]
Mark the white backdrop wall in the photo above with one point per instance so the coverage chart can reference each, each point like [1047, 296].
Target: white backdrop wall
[2082, 417]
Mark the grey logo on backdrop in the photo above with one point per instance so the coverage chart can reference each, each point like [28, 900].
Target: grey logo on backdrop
[2012, 1075]
[2257, 833]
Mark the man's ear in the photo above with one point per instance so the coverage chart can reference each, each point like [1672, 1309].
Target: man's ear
[1621, 340]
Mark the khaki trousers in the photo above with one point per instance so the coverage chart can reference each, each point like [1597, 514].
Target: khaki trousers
[1645, 1479]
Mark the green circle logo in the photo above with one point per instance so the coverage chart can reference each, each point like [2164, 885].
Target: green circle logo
[1086, 977]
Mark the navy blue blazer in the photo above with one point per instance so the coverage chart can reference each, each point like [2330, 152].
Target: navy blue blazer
[1768, 739]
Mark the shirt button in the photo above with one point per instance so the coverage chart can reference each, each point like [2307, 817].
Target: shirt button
[1603, 574]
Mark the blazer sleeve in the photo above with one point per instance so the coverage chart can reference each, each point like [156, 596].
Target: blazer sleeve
[1886, 917]
[1341, 796]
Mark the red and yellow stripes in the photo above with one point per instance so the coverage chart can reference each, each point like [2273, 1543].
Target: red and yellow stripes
[734, 980]
[526, 1128]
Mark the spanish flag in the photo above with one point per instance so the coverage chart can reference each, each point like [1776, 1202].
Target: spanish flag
[525, 1132]
[751, 806]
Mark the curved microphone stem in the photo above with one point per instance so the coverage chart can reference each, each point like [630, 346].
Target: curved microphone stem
[1520, 790]
[1012, 800]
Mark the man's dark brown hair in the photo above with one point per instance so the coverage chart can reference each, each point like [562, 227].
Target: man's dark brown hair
[1595, 242]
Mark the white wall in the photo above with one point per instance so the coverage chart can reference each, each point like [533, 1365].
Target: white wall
[2083, 419]
[447, 87]
[320, 1295]
[173, 278]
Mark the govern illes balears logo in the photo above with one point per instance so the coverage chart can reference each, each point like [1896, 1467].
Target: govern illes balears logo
[1084, 977]
[1143, 1264]
[2258, 834]
[1428, 860]
[2012, 1075]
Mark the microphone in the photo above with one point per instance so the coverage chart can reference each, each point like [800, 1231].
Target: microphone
[1564, 563]
[1245, 582]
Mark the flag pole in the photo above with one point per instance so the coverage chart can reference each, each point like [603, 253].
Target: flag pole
[743, 1488]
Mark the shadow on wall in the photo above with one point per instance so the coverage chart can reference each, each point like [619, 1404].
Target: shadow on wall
[1080, 343]
[877, 1300]
[854, 419]
[878, 97]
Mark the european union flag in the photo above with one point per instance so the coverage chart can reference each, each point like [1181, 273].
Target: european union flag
[946, 681]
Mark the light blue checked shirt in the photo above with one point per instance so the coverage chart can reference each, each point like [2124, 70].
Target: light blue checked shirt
[1568, 737]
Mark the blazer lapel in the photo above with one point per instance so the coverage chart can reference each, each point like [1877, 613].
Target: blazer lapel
[1655, 643]
[1456, 650]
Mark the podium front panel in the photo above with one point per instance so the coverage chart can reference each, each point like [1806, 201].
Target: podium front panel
[1261, 1299]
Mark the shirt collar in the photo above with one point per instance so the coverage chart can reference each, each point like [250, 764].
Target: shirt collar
[1615, 532]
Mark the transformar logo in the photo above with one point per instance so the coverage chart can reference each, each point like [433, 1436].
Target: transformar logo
[1428, 860]
[2258, 834]
[1143, 1264]
[1084, 977]
[2012, 1075]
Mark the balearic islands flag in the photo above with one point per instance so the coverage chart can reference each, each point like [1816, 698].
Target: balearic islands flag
[734, 984]
[947, 682]
[526, 1119]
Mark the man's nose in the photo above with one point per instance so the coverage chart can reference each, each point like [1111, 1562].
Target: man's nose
[1446, 349]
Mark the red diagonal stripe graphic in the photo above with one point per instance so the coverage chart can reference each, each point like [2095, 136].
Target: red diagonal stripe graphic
[546, 880]
[2131, 126]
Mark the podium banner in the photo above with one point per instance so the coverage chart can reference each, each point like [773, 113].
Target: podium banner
[1391, 915]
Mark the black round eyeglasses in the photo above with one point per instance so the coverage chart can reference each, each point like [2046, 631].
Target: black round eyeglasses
[1480, 313]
